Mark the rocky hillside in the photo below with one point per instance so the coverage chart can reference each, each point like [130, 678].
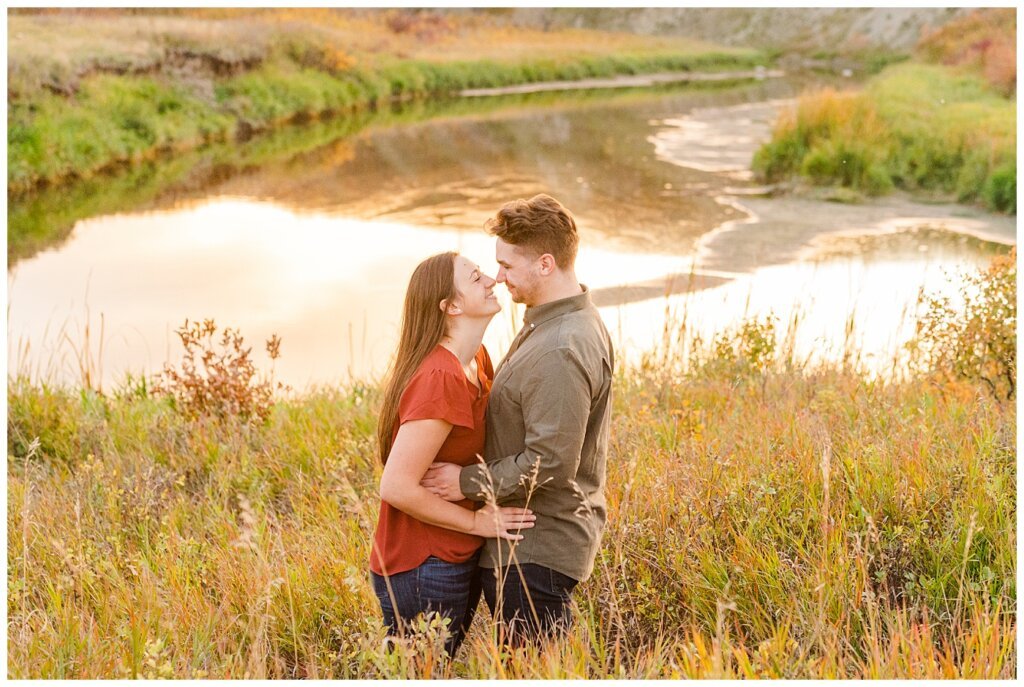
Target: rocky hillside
[841, 29]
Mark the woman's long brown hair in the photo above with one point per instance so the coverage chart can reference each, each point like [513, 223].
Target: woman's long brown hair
[424, 324]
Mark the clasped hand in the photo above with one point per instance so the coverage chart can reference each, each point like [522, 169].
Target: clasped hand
[442, 479]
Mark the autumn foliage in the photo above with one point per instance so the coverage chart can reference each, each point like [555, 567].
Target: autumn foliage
[217, 378]
[985, 40]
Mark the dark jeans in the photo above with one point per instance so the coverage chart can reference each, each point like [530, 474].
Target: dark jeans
[534, 600]
[449, 589]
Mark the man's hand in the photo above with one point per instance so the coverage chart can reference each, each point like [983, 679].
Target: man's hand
[442, 479]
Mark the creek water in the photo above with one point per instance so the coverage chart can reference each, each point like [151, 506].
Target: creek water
[312, 233]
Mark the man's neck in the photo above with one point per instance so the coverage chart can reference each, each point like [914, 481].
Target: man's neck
[566, 286]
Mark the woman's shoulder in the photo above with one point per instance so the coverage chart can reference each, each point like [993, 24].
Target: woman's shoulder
[439, 360]
[437, 390]
[442, 361]
[483, 359]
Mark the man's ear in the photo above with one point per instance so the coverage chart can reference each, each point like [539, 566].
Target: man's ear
[547, 264]
[450, 307]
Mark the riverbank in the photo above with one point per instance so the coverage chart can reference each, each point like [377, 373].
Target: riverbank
[795, 523]
[44, 217]
[92, 89]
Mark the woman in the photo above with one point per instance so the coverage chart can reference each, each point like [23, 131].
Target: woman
[425, 549]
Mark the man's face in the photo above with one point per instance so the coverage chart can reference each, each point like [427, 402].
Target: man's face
[518, 271]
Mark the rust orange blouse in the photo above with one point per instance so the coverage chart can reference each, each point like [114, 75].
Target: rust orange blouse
[438, 390]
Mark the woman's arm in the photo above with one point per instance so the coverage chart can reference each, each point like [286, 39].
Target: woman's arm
[414, 449]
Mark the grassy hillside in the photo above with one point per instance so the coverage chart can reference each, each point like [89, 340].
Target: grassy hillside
[89, 89]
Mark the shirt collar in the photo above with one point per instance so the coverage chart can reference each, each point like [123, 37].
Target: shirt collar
[537, 314]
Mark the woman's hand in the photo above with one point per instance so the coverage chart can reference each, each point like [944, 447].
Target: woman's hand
[502, 522]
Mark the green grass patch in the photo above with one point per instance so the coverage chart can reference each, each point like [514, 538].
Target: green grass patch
[916, 127]
[112, 119]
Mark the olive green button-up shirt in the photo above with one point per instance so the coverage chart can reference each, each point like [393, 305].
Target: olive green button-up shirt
[548, 420]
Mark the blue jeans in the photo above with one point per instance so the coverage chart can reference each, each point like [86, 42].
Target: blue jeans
[435, 586]
[534, 600]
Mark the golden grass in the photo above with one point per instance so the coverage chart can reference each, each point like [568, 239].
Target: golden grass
[795, 526]
[81, 38]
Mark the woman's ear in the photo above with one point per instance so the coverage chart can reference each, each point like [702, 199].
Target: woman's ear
[450, 307]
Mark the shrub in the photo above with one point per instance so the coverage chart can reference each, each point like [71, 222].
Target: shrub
[984, 41]
[918, 127]
[217, 380]
[1001, 189]
[831, 137]
[779, 157]
[977, 343]
[848, 163]
[745, 351]
[427, 26]
[315, 55]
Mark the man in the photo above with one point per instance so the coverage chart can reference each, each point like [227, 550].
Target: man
[548, 421]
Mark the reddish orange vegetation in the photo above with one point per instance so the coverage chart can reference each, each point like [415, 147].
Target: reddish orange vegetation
[984, 40]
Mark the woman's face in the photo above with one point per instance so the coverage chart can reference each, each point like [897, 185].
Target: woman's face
[475, 289]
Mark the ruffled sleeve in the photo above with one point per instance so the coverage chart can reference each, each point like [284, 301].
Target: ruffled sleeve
[437, 394]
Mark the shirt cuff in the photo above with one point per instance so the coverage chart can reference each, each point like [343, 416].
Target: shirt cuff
[472, 481]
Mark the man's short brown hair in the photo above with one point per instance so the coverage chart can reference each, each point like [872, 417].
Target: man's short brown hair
[541, 225]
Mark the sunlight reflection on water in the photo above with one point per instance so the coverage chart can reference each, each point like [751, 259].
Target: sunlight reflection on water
[831, 308]
[332, 289]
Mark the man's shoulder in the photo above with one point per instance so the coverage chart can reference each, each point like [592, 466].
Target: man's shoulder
[577, 336]
[580, 329]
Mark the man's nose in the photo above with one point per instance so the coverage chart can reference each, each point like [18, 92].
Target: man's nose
[500, 276]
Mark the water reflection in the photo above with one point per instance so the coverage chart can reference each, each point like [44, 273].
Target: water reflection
[717, 139]
[428, 164]
[333, 291]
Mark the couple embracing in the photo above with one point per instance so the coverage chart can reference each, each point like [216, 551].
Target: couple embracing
[524, 525]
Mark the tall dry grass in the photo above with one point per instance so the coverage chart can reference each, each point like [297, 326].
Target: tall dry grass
[765, 520]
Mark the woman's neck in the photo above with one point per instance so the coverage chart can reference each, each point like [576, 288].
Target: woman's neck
[464, 338]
